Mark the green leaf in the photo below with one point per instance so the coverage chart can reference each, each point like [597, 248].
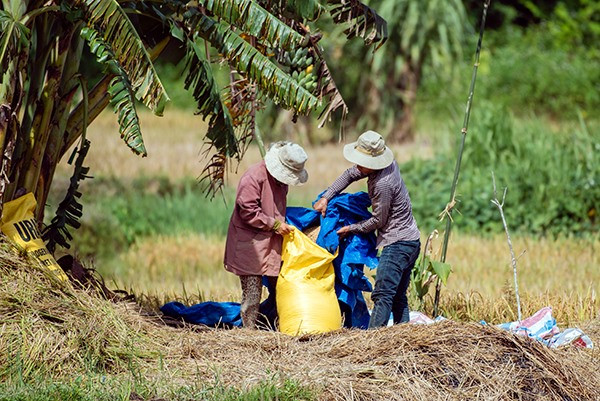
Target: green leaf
[221, 131]
[274, 82]
[12, 33]
[442, 270]
[308, 9]
[201, 82]
[254, 20]
[108, 19]
[177, 32]
[5, 48]
[16, 8]
[121, 92]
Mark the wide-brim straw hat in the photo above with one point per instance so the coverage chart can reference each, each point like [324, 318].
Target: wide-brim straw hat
[285, 162]
[369, 151]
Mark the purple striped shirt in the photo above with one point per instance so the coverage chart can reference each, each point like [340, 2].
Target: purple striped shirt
[392, 211]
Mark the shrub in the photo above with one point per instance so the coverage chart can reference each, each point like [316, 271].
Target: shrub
[552, 177]
[525, 72]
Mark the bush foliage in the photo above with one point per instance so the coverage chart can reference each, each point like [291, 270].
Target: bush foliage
[552, 177]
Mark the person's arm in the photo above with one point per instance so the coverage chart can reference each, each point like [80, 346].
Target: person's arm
[348, 177]
[381, 212]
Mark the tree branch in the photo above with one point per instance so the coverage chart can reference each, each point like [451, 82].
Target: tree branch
[500, 206]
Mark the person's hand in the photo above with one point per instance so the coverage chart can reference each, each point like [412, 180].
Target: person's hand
[321, 206]
[284, 229]
[342, 232]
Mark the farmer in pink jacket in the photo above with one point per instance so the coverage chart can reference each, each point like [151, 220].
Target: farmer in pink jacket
[257, 225]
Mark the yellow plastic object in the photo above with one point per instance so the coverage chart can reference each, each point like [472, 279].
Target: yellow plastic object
[20, 226]
[306, 300]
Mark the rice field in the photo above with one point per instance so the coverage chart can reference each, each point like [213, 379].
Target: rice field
[188, 266]
[61, 342]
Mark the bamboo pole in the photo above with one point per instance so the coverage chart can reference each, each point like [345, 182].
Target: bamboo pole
[447, 213]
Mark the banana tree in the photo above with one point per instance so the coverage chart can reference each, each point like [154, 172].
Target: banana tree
[271, 47]
[429, 32]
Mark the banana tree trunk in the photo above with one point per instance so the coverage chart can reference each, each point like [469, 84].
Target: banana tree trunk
[8, 132]
[49, 110]
[51, 155]
[11, 97]
[410, 77]
[40, 52]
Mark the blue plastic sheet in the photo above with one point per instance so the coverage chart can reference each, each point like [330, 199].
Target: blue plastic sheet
[207, 313]
[221, 314]
[355, 251]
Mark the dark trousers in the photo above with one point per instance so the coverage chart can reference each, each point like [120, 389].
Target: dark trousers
[391, 282]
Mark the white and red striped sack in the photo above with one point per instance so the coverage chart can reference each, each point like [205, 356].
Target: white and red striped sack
[572, 336]
[541, 325]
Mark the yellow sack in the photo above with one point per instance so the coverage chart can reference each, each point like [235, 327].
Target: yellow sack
[20, 226]
[306, 300]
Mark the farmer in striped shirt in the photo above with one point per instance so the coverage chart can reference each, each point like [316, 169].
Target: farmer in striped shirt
[392, 217]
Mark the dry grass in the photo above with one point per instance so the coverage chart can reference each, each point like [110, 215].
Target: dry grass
[569, 309]
[446, 361]
[189, 268]
[186, 267]
[479, 264]
[555, 265]
[54, 330]
[174, 143]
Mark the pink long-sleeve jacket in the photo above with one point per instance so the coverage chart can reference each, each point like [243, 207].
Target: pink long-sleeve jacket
[252, 247]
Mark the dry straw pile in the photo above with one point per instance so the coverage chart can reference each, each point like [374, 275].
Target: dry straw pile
[51, 329]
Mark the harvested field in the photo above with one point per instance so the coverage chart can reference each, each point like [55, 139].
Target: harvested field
[444, 361]
[62, 332]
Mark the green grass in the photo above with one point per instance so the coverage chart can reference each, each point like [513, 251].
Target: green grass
[77, 390]
[117, 213]
[103, 388]
[523, 71]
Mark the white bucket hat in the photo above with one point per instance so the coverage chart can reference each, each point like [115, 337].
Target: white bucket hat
[369, 151]
[285, 162]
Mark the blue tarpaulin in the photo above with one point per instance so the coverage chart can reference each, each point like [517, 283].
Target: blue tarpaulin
[207, 313]
[355, 250]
